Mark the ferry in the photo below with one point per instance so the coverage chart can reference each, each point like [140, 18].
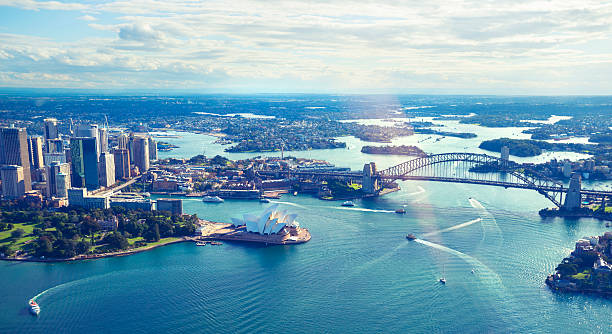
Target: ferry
[34, 308]
[400, 211]
[411, 236]
[212, 199]
[264, 200]
[348, 203]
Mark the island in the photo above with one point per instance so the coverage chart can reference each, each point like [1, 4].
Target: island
[518, 147]
[394, 150]
[586, 269]
[464, 135]
[165, 147]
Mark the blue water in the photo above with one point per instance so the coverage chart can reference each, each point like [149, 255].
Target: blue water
[357, 274]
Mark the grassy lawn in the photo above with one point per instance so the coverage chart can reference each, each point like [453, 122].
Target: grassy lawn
[583, 275]
[161, 241]
[6, 239]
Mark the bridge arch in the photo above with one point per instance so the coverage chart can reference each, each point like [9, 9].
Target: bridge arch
[525, 177]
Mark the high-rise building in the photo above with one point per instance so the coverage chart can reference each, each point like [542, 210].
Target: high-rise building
[51, 129]
[152, 149]
[102, 140]
[84, 162]
[54, 146]
[13, 181]
[90, 131]
[107, 169]
[122, 163]
[123, 141]
[56, 185]
[48, 158]
[35, 146]
[140, 148]
[14, 151]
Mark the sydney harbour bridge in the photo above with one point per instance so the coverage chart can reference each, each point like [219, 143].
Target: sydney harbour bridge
[469, 168]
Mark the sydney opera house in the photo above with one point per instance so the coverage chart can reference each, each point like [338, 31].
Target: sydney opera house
[272, 227]
[271, 221]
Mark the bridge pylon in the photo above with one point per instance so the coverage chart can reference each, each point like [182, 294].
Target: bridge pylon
[370, 182]
[573, 198]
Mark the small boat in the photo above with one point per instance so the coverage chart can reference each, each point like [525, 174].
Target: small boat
[264, 200]
[442, 280]
[295, 193]
[400, 211]
[201, 243]
[411, 236]
[607, 224]
[348, 203]
[34, 308]
[212, 199]
[472, 271]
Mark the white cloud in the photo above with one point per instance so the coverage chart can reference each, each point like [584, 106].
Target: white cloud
[353, 45]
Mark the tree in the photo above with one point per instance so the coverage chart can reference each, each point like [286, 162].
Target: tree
[116, 241]
[18, 233]
[82, 247]
[156, 232]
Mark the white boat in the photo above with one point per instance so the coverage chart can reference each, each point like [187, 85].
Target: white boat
[348, 203]
[295, 193]
[264, 200]
[443, 280]
[212, 199]
[34, 308]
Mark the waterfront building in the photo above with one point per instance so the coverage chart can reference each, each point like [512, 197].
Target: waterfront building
[110, 224]
[54, 146]
[140, 148]
[144, 204]
[84, 162]
[48, 158]
[35, 147]
[173, 205]
[107, 169]
[13, 181]
[14, 151]
[122, 163]
[152, 149]
[79, 197]
[272, 221]
[57, 186]
[51, 131]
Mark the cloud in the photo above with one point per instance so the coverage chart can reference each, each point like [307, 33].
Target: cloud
[87, 18]
[353, 45]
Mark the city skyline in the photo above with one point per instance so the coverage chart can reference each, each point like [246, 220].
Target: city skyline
[465, 47]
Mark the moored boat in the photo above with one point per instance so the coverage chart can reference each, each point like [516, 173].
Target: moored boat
[34, 308]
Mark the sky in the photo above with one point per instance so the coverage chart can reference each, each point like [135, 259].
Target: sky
[503, 47]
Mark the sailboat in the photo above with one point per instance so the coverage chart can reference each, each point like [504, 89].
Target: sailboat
[442, 279]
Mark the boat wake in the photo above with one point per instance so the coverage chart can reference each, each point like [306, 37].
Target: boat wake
[289, 203]
[455, 227]
[361, 209]
[420, 191]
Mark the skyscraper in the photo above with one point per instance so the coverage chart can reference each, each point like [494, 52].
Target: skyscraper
[54, 146]
[51, 129]
[35, 146]
[107, 169]
[152, 149]
[14, 151]
[122, 163]
[84, 162]
[56, 184]
[13, 181]
[140, 147]
[102, 140]
[122, 141]
[90, 131]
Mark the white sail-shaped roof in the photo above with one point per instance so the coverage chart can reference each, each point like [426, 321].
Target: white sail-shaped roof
[271, 221]
[290, 218]
[269, 225]
[278, 227]
[238, 222]
[251, 222]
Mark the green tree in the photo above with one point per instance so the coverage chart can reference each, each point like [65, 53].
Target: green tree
[18, 233]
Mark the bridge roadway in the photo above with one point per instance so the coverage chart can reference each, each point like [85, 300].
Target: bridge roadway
[358, 175]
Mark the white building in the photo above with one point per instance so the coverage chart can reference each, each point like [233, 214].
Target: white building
[271, 221]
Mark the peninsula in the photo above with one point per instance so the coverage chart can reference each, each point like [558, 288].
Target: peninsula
[394, 150]
[586, 269]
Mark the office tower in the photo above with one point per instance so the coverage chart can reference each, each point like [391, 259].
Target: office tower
[122, 163]
[122, 141]
[152, 149]
[84, 162]
[13, 181]
[48, 158]
[35, 146]
[54, 146]
[90, 131]
[56, 185]
[140, 148]
[51, 129]
[107, 169]
[102, 140]
[14, 151]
